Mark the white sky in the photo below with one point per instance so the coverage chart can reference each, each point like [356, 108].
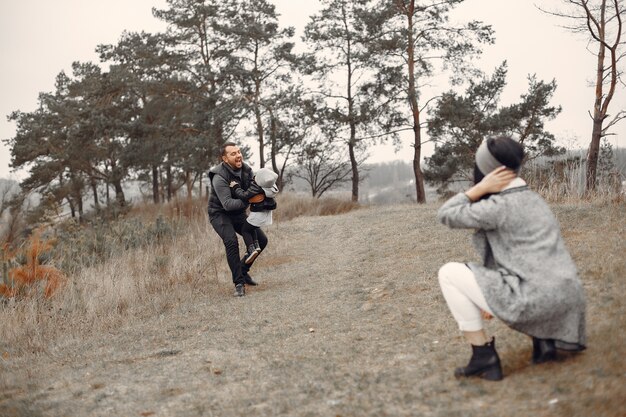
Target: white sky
[38, 39]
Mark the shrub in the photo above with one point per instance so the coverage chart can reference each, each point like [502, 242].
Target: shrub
[22, 279]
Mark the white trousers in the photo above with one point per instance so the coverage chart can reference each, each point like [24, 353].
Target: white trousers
[463, 295]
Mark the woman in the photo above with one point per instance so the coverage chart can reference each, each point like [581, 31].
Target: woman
[526, 279]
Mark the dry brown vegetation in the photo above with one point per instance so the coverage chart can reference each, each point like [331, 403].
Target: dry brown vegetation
[23, 279]
[348, 321]
[563, 179]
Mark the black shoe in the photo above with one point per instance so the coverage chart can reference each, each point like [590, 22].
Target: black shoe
[253, 251]
[544, 350]
[484, 363]
[249, 281]
[251, 256]
[240, 290]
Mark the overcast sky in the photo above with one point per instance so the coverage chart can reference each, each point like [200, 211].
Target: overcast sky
[38, 39]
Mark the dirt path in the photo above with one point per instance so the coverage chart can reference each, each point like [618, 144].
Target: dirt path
[348, 321]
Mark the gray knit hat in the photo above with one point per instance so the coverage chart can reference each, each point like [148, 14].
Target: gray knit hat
[265, 178]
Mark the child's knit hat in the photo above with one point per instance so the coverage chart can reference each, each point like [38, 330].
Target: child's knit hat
[265, 177]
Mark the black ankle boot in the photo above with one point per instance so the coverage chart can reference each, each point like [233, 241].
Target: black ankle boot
[544, 350]
[484, 363]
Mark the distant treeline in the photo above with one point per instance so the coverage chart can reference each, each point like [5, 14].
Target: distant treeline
[159, 106]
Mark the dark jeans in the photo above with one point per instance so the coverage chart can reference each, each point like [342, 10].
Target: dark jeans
[226, 226]
[249, 233]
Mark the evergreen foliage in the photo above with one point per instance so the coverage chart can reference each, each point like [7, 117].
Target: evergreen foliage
[460, 122]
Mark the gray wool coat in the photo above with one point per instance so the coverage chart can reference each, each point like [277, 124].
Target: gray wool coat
[527, 276]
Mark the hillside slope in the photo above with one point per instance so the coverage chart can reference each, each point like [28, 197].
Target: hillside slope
[348, 321]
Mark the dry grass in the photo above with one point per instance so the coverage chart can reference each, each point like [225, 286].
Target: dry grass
[293, 205]
[136, 283]
[562, 180]
[143, 281]
[348, 320]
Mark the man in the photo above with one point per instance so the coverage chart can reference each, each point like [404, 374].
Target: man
[227, 213]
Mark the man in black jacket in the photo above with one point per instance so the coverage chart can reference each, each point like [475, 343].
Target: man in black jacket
[227, 213]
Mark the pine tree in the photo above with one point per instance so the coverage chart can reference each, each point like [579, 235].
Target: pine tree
[460, 122]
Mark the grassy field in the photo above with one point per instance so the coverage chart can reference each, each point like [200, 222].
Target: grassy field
[348, 321]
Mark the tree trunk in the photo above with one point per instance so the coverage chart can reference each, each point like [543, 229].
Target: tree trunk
[189, 184]
[168, 180]
[259, 129]
[94, 189]
[598, 118]
[155, 184]
[420, 192]
[72, 208]
[79, 201]
[200, 177]
[116, 181]
[354, 165]
[161, 186]
[273, 150]
[417, 130]
[257, 108]
[352, 142]
[75, 190]
[592, 156]
[604, 72]
[108, 188]
[119, 193]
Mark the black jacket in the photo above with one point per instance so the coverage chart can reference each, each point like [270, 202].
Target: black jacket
[268, 203]
[222, 198]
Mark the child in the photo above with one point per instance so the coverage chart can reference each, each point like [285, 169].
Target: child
[261, 196]
[526, 278]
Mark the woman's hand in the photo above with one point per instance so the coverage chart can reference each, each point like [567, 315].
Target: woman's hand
[494, 182]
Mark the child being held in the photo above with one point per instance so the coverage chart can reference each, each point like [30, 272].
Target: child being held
[261, 196]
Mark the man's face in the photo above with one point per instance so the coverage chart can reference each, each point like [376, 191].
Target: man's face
[233, 157]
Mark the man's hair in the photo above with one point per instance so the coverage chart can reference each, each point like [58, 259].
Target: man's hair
[226, 145]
